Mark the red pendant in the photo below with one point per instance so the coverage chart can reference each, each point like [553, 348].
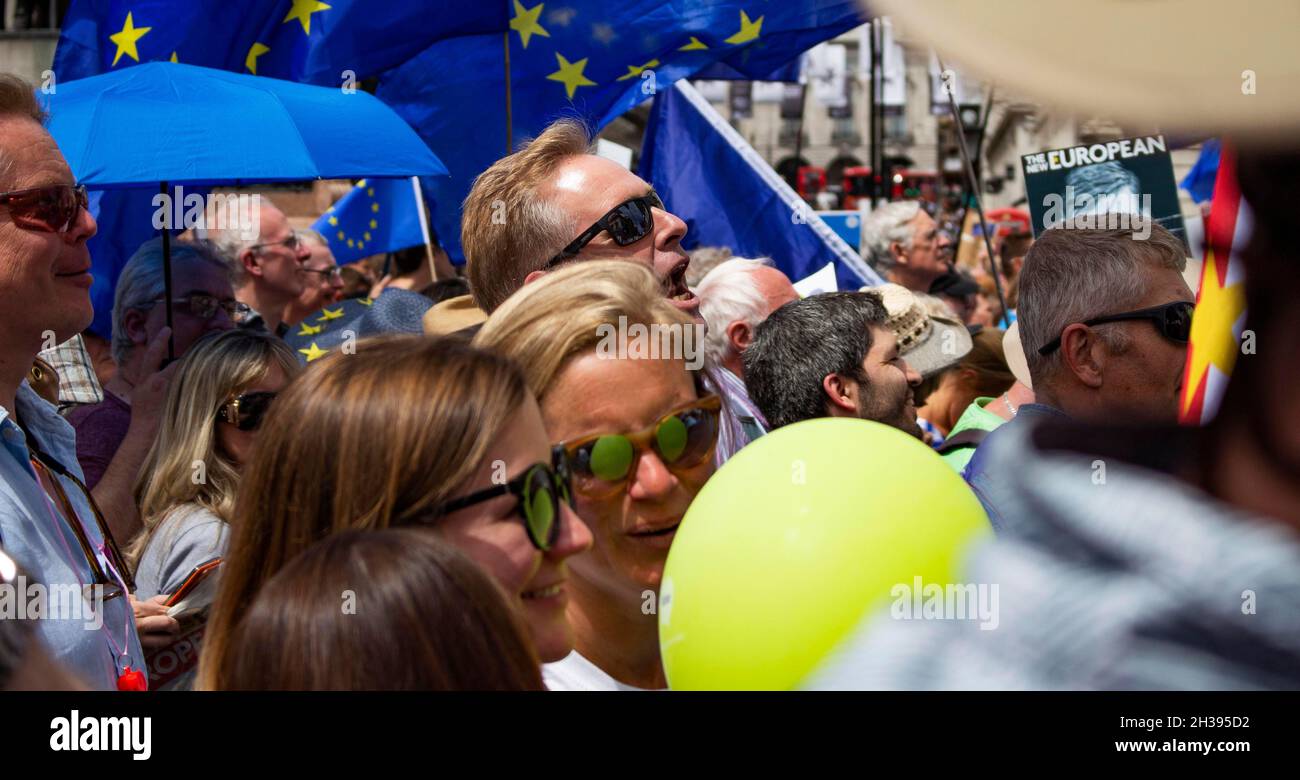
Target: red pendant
[132, 680]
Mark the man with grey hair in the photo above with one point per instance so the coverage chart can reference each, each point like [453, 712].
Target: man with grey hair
[324, 283]
[114, 435]
[268, 266]
[904, 244]
[1104, 319]
[734, 298]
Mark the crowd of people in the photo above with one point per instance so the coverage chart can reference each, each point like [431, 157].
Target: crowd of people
[410, 480]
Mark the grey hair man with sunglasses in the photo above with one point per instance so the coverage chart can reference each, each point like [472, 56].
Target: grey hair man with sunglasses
[268, 267]
[1105, 318]
[47, 520]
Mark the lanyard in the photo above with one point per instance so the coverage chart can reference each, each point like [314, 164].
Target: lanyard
[45, 466]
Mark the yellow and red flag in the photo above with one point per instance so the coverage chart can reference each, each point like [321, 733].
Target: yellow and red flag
[1220, 302]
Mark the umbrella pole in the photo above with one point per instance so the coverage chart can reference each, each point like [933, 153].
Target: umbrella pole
[167, 272]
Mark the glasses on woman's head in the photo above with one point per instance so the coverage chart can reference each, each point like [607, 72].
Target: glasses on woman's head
[204, 307]
[245, 411]
[599, 466]
[52, 209]
[627, 223]
[539, 490]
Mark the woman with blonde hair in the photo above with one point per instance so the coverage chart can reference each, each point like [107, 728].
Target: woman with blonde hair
[407, 431]
[614, 366]
[187, 486]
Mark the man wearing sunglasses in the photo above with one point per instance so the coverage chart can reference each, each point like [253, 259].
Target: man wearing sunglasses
[46, 520]
[1104, 319]
[114, 436]
[268, 268]
[554, 202]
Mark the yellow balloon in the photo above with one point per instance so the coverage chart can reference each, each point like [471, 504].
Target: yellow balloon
[792, 542]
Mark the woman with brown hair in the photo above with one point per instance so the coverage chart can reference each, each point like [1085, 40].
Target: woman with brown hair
[392, 610]
[406, 431]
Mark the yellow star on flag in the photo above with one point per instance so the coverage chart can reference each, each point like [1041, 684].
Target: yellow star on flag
[633, 71]
[257, 50]
[334, 221]
[302, 11]
[313, 352]
[352, 244]
[326, 314]
[374, 224]
[1213, 342]
[374, 207]
[695, 45]
[748, 30]
[174, 57]
[570, 74]
[310, 330]
[366, 301]
[525, 22]
[341, 236]
[126, 40]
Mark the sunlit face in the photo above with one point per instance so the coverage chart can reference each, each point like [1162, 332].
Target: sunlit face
[633, 528]
[587, 187]
[281, 267]
[44, 277]
[322, 283]
[493, 535]
[929, 251]
[888, 394]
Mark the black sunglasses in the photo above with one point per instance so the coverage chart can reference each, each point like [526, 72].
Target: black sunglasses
[540, 489]
[626, 223]
[1173, 320]
[245, 412]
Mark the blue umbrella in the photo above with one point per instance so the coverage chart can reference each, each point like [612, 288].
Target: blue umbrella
[183, 124]
[165, 123]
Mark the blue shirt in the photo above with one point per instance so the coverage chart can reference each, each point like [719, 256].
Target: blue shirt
[984, 475]
[31, 524]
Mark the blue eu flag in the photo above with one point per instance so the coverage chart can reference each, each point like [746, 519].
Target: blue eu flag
[473, 78]
[475, 97]
[376, 216]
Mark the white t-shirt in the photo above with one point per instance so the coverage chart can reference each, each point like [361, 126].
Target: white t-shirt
[575, 673]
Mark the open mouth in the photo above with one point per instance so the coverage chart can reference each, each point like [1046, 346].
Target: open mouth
[550, 591]
[676, 289]
[657, 533]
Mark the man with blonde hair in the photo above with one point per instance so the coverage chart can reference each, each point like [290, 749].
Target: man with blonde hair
[553, 202]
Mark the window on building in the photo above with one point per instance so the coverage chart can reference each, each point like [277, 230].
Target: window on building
[33, 14]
